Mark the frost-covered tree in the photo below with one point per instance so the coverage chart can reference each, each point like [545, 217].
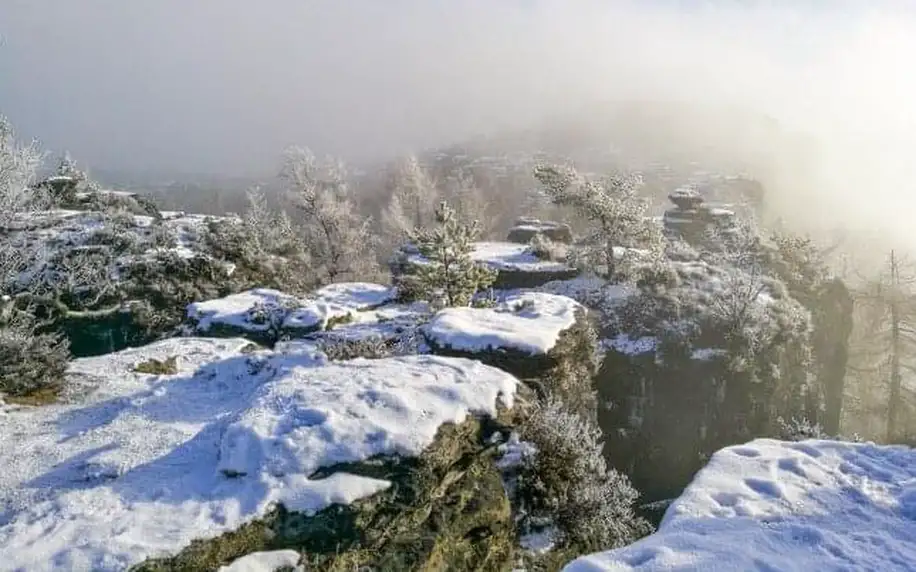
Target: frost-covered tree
[742, 282]
[266, 248]
[620, 235]
[413, 200]
[564, 482]
[448, 275]
[29, 361]
[339, 239]
[470, 201]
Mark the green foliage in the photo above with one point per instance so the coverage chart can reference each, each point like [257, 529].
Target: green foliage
[448, 275]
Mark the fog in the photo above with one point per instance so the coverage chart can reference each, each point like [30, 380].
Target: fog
[224, 85]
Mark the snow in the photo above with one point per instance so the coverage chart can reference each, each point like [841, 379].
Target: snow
[502, 256]
[239, 310]
[139, 467]
[629, 346]
[336, 302]
[772, 505]
[244, 311]
[529, 322]
[513, 257]
[356, 295]
[264, 561]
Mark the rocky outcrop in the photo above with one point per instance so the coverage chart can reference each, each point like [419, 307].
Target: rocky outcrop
[543, 339]
[527, 228]
[516, 265]
[266, 315]
[447, 509]
[215, 449]
[681, 379]
[691, 217]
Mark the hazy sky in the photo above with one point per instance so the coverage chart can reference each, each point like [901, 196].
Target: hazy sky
[225, 85]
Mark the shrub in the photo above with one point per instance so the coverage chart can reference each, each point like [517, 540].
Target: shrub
[565, 481]
[448, 276]
[340, 349]
[545, 249]
[30, 363]
[152, 366]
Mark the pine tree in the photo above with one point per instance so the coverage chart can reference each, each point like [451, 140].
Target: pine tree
[616, 216]
[449, 275]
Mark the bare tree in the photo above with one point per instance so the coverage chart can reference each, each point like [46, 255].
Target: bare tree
[886, 348]
[339, 240]
[736, 251]
[413, 200]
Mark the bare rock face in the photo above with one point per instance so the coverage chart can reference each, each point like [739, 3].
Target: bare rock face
[527, 228]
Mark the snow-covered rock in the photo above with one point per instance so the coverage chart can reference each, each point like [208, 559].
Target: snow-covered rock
[266, 313]
[529, 322]
[772, 505]
[264, 562]
[516, 264]
[143, 464]
[527, 228]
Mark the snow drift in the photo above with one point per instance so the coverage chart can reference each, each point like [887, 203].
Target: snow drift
[143, 464]
[771, 505]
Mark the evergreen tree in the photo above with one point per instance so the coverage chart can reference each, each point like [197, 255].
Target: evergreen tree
[449, 275]
[619, 233]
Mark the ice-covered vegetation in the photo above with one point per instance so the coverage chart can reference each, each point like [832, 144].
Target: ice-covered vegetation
[254, 391]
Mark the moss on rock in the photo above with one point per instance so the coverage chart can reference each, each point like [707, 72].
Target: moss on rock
[445, 510]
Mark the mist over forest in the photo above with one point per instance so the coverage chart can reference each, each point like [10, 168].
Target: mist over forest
[470, 285]
[221, 87]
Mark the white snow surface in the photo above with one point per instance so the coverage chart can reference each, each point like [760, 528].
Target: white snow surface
[512, 256]
[504, 256]
[773, 505]
[331, 302]
[264, 561]
[140, 466]
[238, 310]
[529, 322]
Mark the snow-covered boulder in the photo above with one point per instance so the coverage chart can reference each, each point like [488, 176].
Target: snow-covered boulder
[537, 336]
[772, 505]
[527, 228]
[266, 315]
[529, 323]
[143, 464]
[517, 265]
[692, 216]
[271, 561]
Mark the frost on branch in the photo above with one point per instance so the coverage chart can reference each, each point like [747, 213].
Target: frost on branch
[413, 200]
[448, 276]
[339, 240]
[618, 232]
[566, 482]
[265, 247]
[29, 362]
